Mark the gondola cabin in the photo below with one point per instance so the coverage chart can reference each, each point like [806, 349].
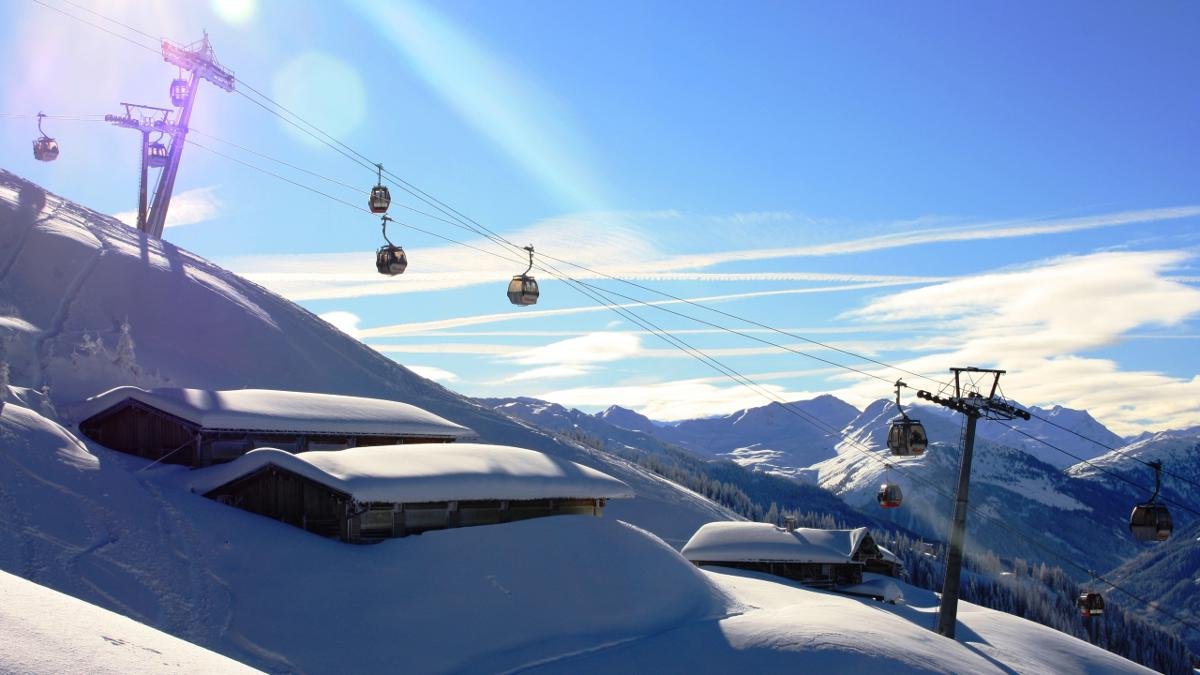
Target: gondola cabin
[156, 155]
[1091, 604]
[45, 149]
[1150, 521]
[907, 437]
[523, 290]
[179, 92]
[380, 199]
[391, 260]
[890, 496]
[199, 427]
[364, 495]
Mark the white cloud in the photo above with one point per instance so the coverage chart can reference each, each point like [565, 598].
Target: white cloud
[549, 373]
[187, 208]
[434, 373]
[614, 243]
[347, 322]
[457, 322]
[585, 349]
[1038, 323]
[971, 232]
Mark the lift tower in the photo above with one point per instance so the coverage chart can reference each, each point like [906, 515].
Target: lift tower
[199, 60]
[149, 119]
[968, 401]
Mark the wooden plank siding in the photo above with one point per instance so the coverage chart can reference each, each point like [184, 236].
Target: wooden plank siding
[279, 494]
[816, 575]
[143, 430]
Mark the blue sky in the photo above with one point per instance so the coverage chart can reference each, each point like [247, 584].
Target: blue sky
[930, 184]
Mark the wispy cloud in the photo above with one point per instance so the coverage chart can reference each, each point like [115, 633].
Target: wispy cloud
[970, 232]
[1037, 322]
[458, 322]
[613, 243]
[187, 208]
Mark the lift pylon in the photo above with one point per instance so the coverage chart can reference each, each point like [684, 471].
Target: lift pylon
[147, 119]
[199, 60]
[966, 399]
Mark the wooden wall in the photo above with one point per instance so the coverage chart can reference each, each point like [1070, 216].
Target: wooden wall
[144, 432]
[287, 497]
[817, 575]
[282, 495]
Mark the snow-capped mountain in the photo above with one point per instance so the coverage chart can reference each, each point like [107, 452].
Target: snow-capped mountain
[627, 419]
[1064, 428]
[1022, 498]
[1124, 469]
[769, 438]
[756, 490]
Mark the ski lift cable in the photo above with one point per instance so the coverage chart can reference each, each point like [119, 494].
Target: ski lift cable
[355, 188]
[1102, 469]
[112, 20]
[750, 383]
[352, 205]
[1112, 449]
[126, 38]
[69, 118]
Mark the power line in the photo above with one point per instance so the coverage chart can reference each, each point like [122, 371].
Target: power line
[1112, 449]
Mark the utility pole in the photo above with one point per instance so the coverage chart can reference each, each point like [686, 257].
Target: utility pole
[147, 124]
[199, 60]
[968, 401]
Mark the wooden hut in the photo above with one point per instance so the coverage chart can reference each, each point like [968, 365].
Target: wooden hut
[366, 494]
[818, 558]
[199, 427]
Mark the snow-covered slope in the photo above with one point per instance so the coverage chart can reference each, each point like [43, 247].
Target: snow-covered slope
[73, 281]
[781, 627]
[48, 632]
[768, 438]
[98, 525]
[1022, 498]
[562, 594]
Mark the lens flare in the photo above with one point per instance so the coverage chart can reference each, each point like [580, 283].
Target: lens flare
[323, 90]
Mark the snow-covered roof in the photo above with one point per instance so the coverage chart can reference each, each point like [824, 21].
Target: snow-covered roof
[730, 541]
[428, 472]
[282, 411]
